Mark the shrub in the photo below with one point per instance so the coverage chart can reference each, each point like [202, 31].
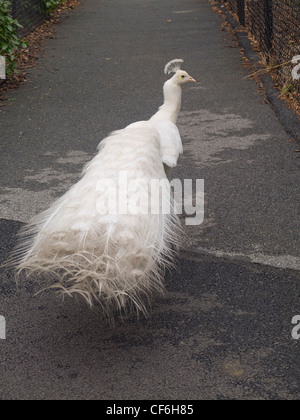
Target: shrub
[51, 5]
[10, 42]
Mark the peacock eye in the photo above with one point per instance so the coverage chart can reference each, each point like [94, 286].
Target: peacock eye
[182, 76]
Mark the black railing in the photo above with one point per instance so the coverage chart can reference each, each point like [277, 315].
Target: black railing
[269, 24]
[241, 11]
[275, 25]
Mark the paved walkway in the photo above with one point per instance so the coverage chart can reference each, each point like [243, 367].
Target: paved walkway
[224, 329]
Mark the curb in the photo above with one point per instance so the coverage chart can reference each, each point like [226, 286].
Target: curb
[287, 116]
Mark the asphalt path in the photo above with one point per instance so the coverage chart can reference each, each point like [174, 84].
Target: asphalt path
[224, 328]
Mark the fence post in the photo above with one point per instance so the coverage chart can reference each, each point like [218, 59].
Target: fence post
[13, 10]
[241, 12]
[269, 27]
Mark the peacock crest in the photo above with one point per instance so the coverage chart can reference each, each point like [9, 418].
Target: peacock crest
[173, 66]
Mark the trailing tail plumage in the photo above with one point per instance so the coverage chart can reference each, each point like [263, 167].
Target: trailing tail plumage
[118, 259]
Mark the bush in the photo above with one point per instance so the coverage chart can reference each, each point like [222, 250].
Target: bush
[51, 5]
[9, 40]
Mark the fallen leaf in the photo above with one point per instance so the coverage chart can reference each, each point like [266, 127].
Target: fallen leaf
[234, 369]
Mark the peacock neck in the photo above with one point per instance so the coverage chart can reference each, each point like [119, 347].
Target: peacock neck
[172, 103]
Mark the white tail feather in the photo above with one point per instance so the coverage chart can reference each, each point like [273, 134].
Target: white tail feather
[117, 259]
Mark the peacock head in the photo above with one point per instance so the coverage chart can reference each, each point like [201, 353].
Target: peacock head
[183, 77]
[180, 76]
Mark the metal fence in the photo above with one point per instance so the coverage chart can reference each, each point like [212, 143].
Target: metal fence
[275, 25]
[29, 13]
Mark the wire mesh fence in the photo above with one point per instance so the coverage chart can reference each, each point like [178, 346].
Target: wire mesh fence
[275, 26]
[29, 13]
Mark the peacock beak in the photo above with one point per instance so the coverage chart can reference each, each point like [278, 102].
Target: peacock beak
[192, 80]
